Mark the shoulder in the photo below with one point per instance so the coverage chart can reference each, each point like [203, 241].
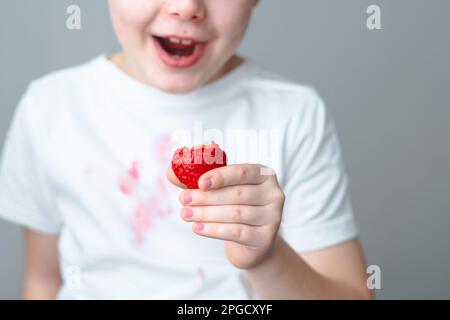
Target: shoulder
[63, 81]
[48, 94]
[46, 97]
[283, 97]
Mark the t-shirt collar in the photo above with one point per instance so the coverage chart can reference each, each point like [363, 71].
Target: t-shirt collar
[121, 84]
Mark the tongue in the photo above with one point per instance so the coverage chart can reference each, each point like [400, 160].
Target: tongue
[177, 48]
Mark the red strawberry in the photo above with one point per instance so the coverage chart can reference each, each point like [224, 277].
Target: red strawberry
[189, 164]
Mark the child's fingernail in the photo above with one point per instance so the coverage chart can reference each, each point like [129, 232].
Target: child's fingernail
[187, 197]
[199, 226]
[208, 183]
[188, 213]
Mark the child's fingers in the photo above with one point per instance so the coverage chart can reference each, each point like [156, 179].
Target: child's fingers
[251, 215]
[240, 233]
[231, 175]
[251, 195]
[173, 178]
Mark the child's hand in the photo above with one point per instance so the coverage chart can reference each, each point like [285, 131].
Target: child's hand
[241, 204]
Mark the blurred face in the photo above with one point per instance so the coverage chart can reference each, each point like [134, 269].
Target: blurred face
[179, 45]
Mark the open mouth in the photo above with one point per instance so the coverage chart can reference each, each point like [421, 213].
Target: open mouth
[177, 47]
[179, 52]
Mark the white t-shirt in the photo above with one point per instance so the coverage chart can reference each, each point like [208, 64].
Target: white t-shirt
[86, 157]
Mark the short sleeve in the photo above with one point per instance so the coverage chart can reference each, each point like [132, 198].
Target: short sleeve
[24, 192]
[317, 212]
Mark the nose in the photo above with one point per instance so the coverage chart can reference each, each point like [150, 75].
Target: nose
[188, 10]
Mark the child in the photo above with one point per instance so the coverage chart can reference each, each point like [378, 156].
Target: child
[84, 171]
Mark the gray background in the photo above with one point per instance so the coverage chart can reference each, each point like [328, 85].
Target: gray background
[388, 90]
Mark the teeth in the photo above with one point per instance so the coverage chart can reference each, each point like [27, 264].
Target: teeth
[187, 42]
[174, 40]
[178, 41]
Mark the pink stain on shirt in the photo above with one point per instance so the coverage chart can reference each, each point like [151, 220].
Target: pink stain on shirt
[160, 208]
[127, 187]
[134, 170]
[142, 221]
[156, 205]
[129, 181]
[146, 214]
[201, 273]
